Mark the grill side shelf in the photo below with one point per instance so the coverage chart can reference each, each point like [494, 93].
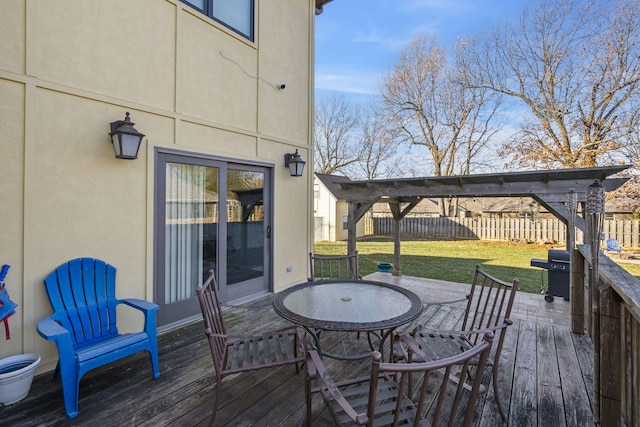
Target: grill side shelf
[542, 263]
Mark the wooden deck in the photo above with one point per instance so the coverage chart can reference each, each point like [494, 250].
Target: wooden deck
[546, 380]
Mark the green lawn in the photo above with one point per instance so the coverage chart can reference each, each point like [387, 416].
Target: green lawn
[455, 260]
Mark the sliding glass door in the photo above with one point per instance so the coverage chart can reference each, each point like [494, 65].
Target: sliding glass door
[210, 214]
[246, 231]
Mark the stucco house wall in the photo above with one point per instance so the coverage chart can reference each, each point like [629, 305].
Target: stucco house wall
[68, 68]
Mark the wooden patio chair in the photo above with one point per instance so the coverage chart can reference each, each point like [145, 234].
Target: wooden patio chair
[488, 310]
[240, 353]
[334, 267]
[82, 293]
[385, 397]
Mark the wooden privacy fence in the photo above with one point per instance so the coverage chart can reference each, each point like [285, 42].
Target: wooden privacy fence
[547, 230]
[613, 322]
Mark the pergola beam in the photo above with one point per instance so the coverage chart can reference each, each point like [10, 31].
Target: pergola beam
[549, 188]
[553, 191]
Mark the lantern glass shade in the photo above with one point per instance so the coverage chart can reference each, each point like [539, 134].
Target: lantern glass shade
[296, 168]
[125, 138]
[126, 146]
[295, 163]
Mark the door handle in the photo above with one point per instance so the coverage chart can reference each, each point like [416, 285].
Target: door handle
[268, 231]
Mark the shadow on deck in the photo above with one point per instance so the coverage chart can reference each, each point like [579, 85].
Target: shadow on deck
[545, 375]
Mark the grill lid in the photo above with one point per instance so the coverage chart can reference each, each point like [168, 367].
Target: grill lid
[557, 260]
[558, 255]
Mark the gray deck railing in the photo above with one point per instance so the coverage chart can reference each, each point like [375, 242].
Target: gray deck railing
[545, 230]
[612, 319]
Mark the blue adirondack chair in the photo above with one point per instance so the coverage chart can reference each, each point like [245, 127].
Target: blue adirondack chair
[613, 246]
[82, 293]
[7, 307]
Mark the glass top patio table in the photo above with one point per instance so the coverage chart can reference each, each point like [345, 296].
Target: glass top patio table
[348, 305]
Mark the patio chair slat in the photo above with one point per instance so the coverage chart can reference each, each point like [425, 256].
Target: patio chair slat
[278, 349]
[288, 344]
[266, 343]
[255, 344]
[235, 355]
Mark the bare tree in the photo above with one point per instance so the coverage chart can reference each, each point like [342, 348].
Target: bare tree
[575, 66]
[483, 122]
[378, 146]
[336, 124]
[430, 104]
[631, 152]
[631, 149]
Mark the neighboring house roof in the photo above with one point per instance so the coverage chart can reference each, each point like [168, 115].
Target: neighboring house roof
[332, 183]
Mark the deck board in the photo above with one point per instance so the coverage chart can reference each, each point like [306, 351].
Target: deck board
[545, 378]
[523, 409]
[549, 389]
[490, 415]
[577, 406]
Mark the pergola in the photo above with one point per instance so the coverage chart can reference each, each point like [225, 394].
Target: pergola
[548, 187]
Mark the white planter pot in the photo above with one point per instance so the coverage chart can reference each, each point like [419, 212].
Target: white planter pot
[16, 375]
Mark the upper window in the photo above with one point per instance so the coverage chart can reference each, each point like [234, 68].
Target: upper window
[235, 14]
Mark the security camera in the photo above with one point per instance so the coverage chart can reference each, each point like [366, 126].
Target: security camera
[280, 86]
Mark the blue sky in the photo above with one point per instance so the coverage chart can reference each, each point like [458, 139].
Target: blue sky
[358, 40]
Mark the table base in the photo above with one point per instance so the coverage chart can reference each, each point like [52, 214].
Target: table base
[382, 337]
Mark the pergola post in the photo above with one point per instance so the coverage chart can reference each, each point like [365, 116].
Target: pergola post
[595, 214]
[396, 250]
[351, 232]
[395, 211]
[398, 215]
[576, 263]
[356, 212]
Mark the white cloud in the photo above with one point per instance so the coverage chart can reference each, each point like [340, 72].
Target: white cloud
[457, 6]
[362, 82]
[393, 43]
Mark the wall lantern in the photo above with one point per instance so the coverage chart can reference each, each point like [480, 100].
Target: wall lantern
[295, 163]
[125, 138]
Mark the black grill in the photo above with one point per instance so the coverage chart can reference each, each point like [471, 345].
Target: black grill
[558, 273]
